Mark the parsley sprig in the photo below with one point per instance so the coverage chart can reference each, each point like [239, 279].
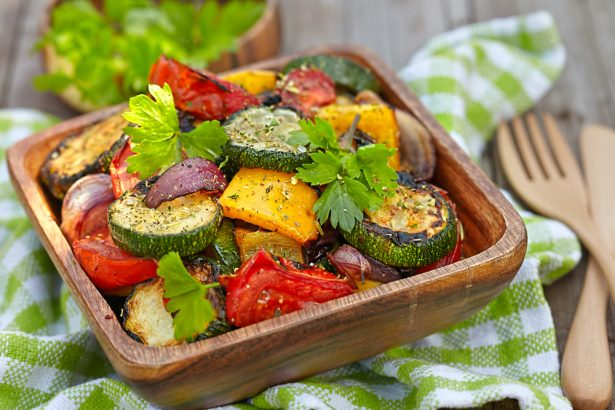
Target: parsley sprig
[158, 141]
[355, 180]
[107, 53]
[187, 298]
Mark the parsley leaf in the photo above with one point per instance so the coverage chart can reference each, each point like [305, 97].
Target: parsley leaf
[325, 168]
[356, 181]
[319, 134]
[188, 298]
[205, 141]
[158, 141]
[370, 159]
[157, 120]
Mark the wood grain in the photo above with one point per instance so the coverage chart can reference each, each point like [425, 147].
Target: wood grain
[303, 343]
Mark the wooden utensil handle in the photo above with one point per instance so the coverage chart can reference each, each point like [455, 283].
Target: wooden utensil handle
[586, 365]
[605, 260]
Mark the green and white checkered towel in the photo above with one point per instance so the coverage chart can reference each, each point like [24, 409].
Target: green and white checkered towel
[470, 78]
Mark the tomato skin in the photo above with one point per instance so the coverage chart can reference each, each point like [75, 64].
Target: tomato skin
[263, 288]
[307, 88]
[200, 92]
[109, 267]
[453, 256]
[121, 179]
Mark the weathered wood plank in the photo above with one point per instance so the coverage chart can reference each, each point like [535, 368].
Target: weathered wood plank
[27, 64]
[308, 25]
[11, 13]
[458, 12]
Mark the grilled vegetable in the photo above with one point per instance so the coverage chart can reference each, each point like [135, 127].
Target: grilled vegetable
[258, 139]
[414, 227]
[253, 81]
[186, 177]
[109, 267]
[200, 92]
[344, 72]
[265, 287]
[145, 317]
[84, 209]
[417, 149]
[377, 120]
[187, 224]
[359, 267]
[87, 152]
[120, 177]
[272, 200]
[249, 242]
[147, 320]
[306, 89]
[224, 250]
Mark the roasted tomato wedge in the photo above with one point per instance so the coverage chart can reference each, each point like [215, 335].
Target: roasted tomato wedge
[200, 93]
[121, 179]
[108, 266]
[265, 287]
[307, 88]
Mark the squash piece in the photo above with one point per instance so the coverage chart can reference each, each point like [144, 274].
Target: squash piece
[253, 81]
[272, 200]
[366, 285]
[249, 242]
[378, 120]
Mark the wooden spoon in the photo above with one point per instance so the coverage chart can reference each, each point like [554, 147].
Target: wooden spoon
[586, 364]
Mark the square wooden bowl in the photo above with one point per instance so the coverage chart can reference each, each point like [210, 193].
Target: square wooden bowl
[245, 361]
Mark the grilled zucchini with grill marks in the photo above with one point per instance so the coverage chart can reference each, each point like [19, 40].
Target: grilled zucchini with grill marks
[186, 225]
[258, 139]
[147, 320]
[414, 227]
[88, 152]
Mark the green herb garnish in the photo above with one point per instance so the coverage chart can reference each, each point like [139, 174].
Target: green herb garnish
[355, 181]
[158, 141]
[106, 54]
[187, 298]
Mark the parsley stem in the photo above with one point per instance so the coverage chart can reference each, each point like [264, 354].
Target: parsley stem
[346, 140]
[211, 285]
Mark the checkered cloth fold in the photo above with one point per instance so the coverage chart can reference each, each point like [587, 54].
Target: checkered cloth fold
[470, 78]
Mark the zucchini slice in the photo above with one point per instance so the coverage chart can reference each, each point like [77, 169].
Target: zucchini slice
[224, 250]
[414, 227]
[87, 152]
[258, 139]
[187, 224]
[146, 319]
[344, 72]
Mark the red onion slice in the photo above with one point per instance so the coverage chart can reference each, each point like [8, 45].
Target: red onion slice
[189, 176]
[359, 267]
[84, 209]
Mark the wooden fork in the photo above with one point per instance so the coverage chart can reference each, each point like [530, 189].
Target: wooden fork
[550, 182]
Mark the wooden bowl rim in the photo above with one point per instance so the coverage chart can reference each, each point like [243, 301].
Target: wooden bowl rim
[505, 250]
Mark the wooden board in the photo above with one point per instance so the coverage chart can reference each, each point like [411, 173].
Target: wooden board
[245, 361]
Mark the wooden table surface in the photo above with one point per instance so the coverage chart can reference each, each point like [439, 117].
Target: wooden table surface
[395, 29]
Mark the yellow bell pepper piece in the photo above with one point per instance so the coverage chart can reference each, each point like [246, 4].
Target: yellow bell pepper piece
[378, 120]
[272, 200]
[367, 284]
[254, 81]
